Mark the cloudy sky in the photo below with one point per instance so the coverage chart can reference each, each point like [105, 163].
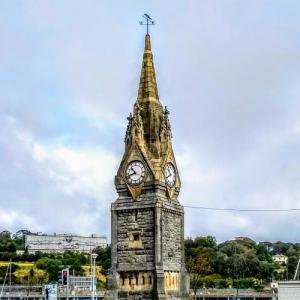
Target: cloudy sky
[229, 72]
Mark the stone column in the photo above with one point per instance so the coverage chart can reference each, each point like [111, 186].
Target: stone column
[184, 282]
[112, 277]
[160, 289]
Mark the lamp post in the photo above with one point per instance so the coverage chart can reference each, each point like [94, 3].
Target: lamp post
[94, 256]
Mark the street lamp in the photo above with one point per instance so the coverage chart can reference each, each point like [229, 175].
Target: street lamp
[94, 256]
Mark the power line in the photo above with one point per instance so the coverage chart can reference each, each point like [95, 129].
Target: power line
[242, 210]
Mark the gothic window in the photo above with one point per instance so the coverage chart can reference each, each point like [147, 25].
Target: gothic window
[136, 236]
[134, 239]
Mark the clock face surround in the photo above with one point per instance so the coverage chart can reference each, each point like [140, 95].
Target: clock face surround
[170, 174]
[135, 172]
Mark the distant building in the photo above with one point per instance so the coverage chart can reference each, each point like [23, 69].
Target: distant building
[280, 258]
[20, 234]
[5, 233]
[289, 290]
[59, 243]
[20, 252]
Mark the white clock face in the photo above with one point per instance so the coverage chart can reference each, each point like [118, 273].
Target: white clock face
[170, 174]
[135, 172]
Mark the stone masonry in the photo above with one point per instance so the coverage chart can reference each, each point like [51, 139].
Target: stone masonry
[147, 219]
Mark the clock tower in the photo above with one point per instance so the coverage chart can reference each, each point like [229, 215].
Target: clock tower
[147, 219]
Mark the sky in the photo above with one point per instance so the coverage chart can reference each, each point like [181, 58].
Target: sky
[229, 72]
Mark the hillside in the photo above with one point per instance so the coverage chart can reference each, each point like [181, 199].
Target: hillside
[42, 267]
[240, 263]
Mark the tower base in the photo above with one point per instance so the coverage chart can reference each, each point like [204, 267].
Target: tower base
[115, 295]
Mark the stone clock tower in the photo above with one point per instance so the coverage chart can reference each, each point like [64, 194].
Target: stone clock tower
[147, 219]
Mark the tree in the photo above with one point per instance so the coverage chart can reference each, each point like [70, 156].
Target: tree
[231, 247]
[205, 242]
[291, 266]
[4, 270]
[104, 257]
[51, 265]
[266, 270]
[246, 242]
[218, 263]
[280, 247]
[250, 264]
[195, 276]
[263, 253]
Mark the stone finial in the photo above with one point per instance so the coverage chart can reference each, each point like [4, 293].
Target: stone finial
[147, 43]
[128, 130]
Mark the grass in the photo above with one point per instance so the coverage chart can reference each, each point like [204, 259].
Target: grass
[22, 273]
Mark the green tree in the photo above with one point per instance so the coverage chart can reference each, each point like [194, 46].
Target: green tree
[263, 253]
[51, 265]
[205, 242]
[104, 257]
[266, 270]
[246, 242]
[196, 280]
[291, 266]
[231, 247]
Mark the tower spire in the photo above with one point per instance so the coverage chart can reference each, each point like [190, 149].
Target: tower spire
[148, 86]
[149, 125]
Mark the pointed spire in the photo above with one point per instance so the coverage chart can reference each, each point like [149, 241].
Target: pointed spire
[147, 43]
[148, 87]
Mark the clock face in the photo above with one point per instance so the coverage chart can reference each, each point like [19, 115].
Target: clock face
[135, 172]
[170, 174]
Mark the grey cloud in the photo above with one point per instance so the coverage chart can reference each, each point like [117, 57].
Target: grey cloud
[228, 73]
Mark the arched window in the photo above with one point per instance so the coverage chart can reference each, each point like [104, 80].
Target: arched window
[150, 279]
[174, 281]
[130, 280]
[123, 280]
[143, 280]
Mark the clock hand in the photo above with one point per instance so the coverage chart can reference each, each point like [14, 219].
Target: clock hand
[133, 172]
[169, 173]
[129, 174]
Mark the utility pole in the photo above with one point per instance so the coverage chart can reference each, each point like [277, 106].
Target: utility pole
[9, 278]
[3, 285]
[74, 284]
[297, 270]
[68, 277]
[94, 256]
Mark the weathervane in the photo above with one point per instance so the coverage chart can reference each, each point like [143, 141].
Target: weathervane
[148, 21]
